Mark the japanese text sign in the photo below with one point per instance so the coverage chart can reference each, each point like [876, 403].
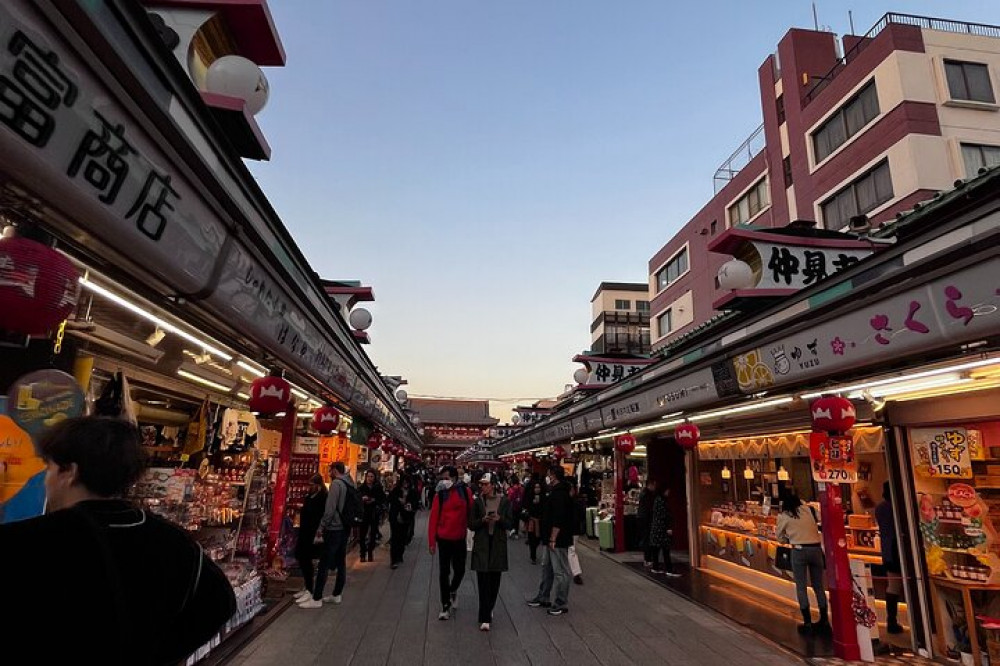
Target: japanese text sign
[941, 453]
[833, 458]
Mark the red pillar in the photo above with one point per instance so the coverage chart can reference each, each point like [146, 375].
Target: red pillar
[281, 484]
[838, 575]
[619, 501]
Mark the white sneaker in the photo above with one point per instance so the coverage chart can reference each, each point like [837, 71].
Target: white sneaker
[311, 603]
[444, 615]
[671, 574]
[302, 596]
[454, 601]
[485, 626]
[333, 599]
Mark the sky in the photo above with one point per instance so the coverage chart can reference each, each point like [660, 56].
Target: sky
[485, 164]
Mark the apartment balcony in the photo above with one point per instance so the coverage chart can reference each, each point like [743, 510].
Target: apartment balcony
[621, 333]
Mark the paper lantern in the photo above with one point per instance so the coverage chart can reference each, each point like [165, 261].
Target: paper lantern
[38, 286]
[687, 435]
[236, 76]
[735, 274]
[374, 442]
[325, 420]
[625, 443]
[832, 413]
[558, 453]
[270, 395]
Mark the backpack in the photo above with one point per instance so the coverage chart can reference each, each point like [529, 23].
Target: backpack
[352, 512]
[462, 491]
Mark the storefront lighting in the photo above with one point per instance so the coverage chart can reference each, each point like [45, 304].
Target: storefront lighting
[252, 369]
[752, 407]
[243, 396]
[205, 382]
[906, 378]
[909, 387]
[166, 326]
[301, 395]
[726, 472]
[672, 415]
[783, 474]
[748, 474]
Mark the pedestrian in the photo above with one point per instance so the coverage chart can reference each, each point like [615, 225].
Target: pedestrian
[97, 579]
[446, 529]
[515, 495]
[372, 499]
[798, 525]
[579, 527]
[557, 531]
[310, 515]
[534, 502]
[645, 520]
[890, 560]
[661, 533]
[341, 503]
[403, 502]
[491, 517]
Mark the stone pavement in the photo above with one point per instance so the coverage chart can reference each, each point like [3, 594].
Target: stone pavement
[616, 618]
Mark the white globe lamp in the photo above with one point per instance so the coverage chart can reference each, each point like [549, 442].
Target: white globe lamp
[236, 76]
[360, 319]
[580, 376]
[402, 395]
[515, 419]
[736, 274]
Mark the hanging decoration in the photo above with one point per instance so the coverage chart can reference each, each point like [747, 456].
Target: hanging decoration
[270, 395]
[325, 420]
[833, 414]
[558, 452]
[38, 286]
[687, 436]
[374, 442]
[625, 443]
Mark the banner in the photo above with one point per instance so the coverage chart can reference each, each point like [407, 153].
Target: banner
[833, 458]
[941, 453]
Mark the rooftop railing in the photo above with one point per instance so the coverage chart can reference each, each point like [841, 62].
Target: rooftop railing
[739, 159]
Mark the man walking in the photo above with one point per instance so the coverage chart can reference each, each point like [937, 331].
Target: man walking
[557, 534]
[446, 530]
[336, 530]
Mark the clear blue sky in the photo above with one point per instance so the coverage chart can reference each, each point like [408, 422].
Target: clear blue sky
[485, 164]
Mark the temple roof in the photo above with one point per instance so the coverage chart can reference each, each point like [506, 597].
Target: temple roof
[453, 412]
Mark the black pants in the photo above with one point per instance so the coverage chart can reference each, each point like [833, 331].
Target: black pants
[399, 538]
[533, 541]
[489, 590]
[304, 556]
[668, 564]
[649, 553]
[451, 559]
[366, 539]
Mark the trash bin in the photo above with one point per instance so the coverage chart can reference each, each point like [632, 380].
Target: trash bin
[606, 534]
[591, 517]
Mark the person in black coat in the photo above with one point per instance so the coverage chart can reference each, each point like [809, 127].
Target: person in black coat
[403, 503]
[305, 545]
[372, 500]
[557, 531]
[645, 519]
[534, 502]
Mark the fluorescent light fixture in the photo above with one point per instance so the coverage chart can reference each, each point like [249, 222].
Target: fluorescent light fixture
[149, 316]
[671, 415]
[207, 382]
[304, 415]
[752, 407]
[252, 369]
[242, 396]
[908, 387]
[300, 394]
[906, 378]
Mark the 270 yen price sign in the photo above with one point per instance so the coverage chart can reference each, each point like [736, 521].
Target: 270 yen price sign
[832, 458]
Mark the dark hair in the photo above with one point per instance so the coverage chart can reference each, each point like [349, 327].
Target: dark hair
[450, 471]
[886, 494]
[107, 452]
[790, 504]
[339, 466]
[316, 478]
[558, 472]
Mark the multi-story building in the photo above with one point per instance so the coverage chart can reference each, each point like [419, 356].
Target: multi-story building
[620, 318]
[908, 109]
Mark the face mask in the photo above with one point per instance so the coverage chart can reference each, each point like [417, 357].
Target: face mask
[444, 485]
[467, 479]
[549, 480]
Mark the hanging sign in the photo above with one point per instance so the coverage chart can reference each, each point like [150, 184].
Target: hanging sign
[941, 453]
[833, 458]
[42, 399]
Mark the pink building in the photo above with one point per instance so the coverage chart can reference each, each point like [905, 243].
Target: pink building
[910, 108]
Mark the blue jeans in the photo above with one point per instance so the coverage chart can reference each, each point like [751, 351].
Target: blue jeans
[555, 572]
[808, 560]
[334, 557]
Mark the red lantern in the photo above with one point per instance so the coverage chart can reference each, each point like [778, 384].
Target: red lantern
[270, 395]
[325, 420]
[374, 442]
[558, 453]
[831, 413]
[687, 435]
[625, 443]
[38, 286]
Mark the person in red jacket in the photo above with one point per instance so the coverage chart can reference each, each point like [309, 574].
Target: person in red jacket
[446, 530]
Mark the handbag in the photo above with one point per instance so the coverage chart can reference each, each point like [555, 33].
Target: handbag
[783, 558]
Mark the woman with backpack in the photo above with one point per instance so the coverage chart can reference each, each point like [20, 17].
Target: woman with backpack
[446, 530]
[491, 517]
[798, 525]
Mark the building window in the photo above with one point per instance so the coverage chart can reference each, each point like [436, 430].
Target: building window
[675, 268]
[786, 165]
[865, 194]
[623, 305]
[751, 203]
[846, 122]
[977, 157]
[663, 323]
[714, 226]
[780, 106]
[642, 306]
[969, 81]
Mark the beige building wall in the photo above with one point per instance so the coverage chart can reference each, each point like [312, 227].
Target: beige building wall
[605, 302]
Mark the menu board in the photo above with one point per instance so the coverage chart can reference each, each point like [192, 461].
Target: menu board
[941, 453]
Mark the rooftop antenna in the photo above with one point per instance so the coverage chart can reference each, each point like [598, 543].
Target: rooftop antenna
[850, 18]
[815, 18]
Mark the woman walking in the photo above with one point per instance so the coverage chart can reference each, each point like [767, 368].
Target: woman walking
[661, 534]
[534, 502]
[306, 549]
[372, 499]
[490, 519]
[645, 515]
[403, 502]
[798, 525]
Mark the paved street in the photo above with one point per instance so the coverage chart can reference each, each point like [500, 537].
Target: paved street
[617, 617]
